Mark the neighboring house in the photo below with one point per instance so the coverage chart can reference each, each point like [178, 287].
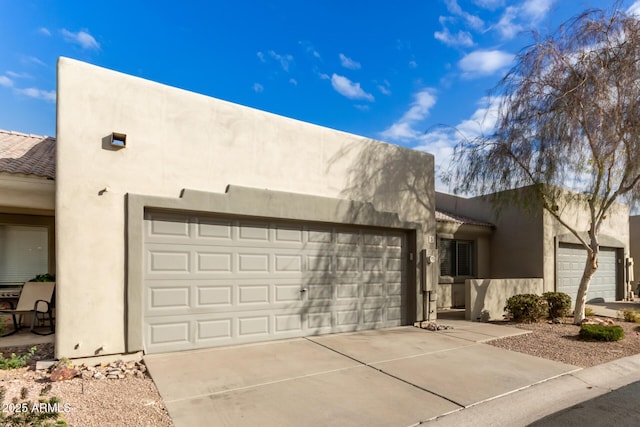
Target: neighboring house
[27, 201]
[464, 249]
[529, 244]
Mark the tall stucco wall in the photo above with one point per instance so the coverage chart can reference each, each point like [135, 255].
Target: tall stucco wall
[175, 140]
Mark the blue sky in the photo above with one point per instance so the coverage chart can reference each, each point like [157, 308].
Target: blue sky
[394, 71]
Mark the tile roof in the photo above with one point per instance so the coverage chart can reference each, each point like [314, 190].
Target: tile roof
[442, 216]
[27, 154]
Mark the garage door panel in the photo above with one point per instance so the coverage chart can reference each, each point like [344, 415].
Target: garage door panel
[214, 262]
[319, 237]
[253, 263]
[288, 323]
[288, 235]
[253, 232]
[167, 225]
[208, 229]
[174, 298]
[286, 263]
[168, 261]
[218, 281]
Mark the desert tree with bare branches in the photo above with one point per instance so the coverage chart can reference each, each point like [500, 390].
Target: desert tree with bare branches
[568, 118]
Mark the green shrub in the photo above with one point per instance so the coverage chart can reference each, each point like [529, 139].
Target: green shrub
[14, 362]
[526, 308]
[44, 278]
[629, 315]
[601, 332]
[588, 311]
[559, 304]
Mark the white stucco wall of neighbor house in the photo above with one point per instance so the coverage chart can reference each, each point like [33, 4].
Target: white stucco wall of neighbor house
[175, 140]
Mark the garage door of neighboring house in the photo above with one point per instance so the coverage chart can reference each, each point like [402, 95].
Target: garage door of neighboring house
[212, 281]
[570, 266]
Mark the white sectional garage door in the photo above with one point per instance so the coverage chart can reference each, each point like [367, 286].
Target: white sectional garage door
[571, 260]
[216, 281]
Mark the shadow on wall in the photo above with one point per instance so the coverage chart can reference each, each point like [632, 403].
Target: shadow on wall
[389, 185]
[486, 298]
[391, 177]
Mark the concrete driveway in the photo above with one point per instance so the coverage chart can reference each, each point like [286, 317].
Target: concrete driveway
[388, 377]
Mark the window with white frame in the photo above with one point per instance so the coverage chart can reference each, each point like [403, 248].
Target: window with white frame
[24, 253]
[456, 257]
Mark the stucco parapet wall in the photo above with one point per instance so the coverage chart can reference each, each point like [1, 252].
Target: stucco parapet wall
[240, 201]
[486, 298]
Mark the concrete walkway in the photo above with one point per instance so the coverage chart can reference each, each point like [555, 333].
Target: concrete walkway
[611, 309]
[603, 395]
[389, 377]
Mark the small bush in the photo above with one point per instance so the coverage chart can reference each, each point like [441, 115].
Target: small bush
[601, 332]
[559, 304]
[14, 362]
[44, 278]
[629, 315]
[588, 311]
[526, 308]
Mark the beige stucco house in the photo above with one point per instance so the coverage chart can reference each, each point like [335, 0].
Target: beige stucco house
[176, 221]
[529, 245]
[183, 221]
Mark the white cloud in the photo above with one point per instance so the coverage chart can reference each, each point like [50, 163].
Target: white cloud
[484, 62]
[293, 81]
[6, 81]
[489, 4]
[634, 9]
[33, 60]
[413, 64]
[362, 107]
[535, 10]
[384, 88]
[473, 21]
[441, 141]
[44, 31]
[309, 49]
[261, 57]
[404, 128]
[258, 88]
[81, 38]
[32, 92]
[506, 26]
[349, 89]
[19, 75]
[461, 38]
[349, 63]
[284, 60]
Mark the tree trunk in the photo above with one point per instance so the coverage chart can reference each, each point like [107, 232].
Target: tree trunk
[591, 265]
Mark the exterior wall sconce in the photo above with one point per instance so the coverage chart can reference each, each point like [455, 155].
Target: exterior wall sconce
[118, 140]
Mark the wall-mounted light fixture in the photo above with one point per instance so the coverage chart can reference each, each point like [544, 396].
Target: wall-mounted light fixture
[118, 140]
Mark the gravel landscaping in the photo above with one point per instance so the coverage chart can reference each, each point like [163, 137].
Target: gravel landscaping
[560, 342]
[94, 399]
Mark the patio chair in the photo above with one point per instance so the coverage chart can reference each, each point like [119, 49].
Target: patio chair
[35, 299]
